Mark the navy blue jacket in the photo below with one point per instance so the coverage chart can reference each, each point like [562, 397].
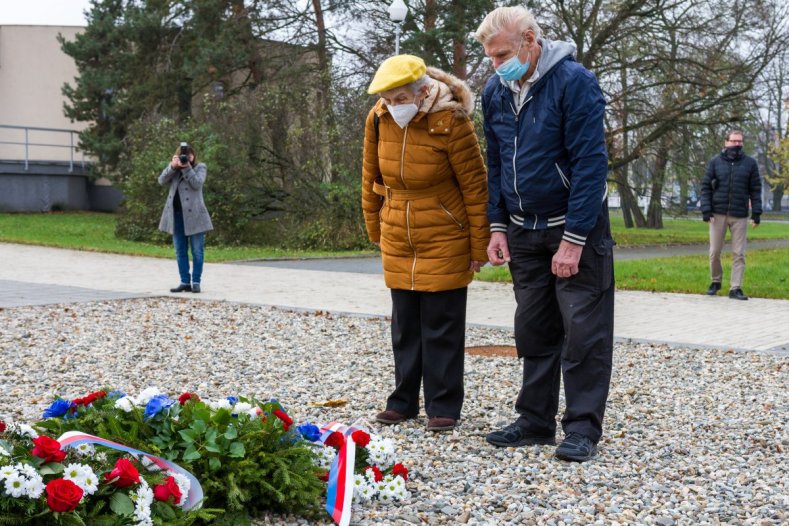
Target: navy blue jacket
[547, 163]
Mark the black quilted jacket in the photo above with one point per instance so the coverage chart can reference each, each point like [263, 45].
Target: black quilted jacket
[729, 184]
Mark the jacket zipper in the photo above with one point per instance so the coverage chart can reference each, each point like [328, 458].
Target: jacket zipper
[451, 216]
[407, 207]
[731, 183]
[410, 242]
[515, 153]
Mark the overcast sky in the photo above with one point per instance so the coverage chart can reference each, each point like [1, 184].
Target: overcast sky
[43, 12]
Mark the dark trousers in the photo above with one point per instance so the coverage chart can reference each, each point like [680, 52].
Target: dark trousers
[563, 324]
[428, 339]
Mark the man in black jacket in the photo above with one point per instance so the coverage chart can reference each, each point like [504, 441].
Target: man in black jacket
[731, 180]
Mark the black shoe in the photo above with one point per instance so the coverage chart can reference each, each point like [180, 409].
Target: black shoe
[514, 436]
[183, 287]
[576, 447]
[737, 294]
[195, 287]
[714, 288]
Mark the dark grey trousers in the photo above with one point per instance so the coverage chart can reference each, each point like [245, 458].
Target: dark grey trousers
[428, 339]
[563, 325]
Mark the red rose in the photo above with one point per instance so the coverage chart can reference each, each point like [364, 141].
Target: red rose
[63, 495]
[188, 396]
[89, 399]
[324, 477]
[335, 440]
[167, 490]
[2, 426]
[360, 438]
[48, 449]
[377, 475]
[125, 473]
[399, 469]
[286, 420]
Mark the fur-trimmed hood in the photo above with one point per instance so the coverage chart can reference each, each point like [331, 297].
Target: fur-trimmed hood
[447, 92]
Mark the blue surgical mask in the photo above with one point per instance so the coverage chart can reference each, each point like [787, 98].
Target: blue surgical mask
[512, 69]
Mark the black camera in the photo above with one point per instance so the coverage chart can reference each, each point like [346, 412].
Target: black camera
[184, 156]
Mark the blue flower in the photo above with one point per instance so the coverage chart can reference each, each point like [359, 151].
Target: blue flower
[59, 407]
[232, 399]
[155, 405]
[309, 431]
[116, 394]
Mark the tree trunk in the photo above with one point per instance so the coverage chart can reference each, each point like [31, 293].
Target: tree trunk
[629, 202]
[459, 43]
[325, 107]
[655, 211]
[778, 194]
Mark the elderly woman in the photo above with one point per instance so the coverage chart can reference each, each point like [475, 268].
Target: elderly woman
[424, 196]
[185, 216]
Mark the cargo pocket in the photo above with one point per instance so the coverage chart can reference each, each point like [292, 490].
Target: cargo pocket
[604, 252]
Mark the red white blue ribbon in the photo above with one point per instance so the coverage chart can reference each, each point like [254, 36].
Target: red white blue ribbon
[339, 494]
[195, 496]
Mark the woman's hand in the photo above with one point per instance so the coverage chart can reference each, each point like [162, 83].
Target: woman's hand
[175, 163]
[476, 266]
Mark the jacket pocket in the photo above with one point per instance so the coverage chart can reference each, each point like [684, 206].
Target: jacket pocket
[565, 180]
[451, 216]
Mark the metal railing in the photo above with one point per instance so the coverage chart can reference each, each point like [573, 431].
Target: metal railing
[27, 144]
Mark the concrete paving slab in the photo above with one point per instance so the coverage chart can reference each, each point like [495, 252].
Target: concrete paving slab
[20, 293]
[682, 319]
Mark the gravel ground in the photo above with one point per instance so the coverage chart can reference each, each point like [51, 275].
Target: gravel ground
[691, 437]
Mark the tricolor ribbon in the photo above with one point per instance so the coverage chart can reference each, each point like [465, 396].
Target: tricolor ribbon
[195, 496]
[339, 494]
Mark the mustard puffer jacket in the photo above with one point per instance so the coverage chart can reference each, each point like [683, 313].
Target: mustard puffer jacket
[424, 190]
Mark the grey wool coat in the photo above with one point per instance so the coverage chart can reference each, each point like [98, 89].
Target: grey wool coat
[189, 183]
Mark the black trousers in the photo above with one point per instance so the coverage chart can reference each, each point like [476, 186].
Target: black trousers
[428, 339]
[563, 324]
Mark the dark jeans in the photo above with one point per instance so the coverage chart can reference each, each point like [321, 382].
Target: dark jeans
[563, 324]
[182, 242]
[428, 339]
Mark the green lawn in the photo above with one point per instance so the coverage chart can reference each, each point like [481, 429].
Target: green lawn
[766, 274]
[684, 231]
[96, 232]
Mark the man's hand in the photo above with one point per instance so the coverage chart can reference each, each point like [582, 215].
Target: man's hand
[754, 224]
[565, 262]
[498, 250]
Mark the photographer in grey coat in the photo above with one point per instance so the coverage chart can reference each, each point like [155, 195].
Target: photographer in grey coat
[185, 216]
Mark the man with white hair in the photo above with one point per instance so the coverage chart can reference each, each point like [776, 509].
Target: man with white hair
[547, 169]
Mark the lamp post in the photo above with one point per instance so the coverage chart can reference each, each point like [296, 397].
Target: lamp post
[397, 12]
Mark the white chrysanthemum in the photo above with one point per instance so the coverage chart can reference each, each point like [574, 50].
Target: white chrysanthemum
[34, 486]
[254, 412]
[7, 471]
[83, 476]
[361, 488]
[242, 407]
[183, 485]
[3, 452]
[125, 404]
[85, 450]
[381, 452]
[27, 470]
[24, 429]
[220, 404]
[145, 396]
[142, 497]
[392, 488]
[325, 456]
[15, 485]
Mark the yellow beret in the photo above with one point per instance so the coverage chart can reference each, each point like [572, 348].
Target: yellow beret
[397, 71]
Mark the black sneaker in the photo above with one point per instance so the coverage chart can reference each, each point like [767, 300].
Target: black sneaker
[714, 288]
[183, 287]
[576, 447]
[737, 294]
[514, 436]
